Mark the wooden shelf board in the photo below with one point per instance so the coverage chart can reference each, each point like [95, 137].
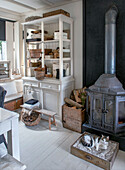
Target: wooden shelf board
[50, 41]
[66, 40]
[66, 50]
[33, 58]
[52, 59]
[66, 59]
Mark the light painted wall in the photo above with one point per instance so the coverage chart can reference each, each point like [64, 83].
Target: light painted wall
[75, 9]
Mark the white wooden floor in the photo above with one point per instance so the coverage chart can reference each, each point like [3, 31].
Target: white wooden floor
[42, 149]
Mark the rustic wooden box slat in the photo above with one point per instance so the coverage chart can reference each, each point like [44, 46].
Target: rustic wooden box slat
[105, 164]
[73, 118]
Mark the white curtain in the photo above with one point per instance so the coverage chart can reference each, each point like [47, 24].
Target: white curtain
[13, 45]
[17, 46]
[9, 44]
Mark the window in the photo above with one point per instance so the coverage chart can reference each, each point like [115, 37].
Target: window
[3, 55]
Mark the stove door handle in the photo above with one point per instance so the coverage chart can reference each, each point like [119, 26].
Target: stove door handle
[105, 111]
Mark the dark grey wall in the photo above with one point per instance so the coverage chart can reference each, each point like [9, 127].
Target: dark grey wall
[95, 39]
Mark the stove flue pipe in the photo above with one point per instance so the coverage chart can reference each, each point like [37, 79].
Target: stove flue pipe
[110, 40]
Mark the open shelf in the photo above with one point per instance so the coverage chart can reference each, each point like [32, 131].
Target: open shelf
[66, 59]
[35, 58]
[52, 59]
[66, 50]
[66, 40]
[33, 40]
[50, 41]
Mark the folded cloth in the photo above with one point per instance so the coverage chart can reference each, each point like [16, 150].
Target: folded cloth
[29, 106]
[31, 101]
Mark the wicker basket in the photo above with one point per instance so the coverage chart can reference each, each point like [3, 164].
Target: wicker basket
[31, 120]
[32, 18]
[39, 74]
[35, 64]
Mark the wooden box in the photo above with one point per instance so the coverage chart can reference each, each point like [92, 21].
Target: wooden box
[14, 104]
[73, 118]
[59, 11]
[106, 163]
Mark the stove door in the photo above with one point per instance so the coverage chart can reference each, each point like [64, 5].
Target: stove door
[108, 110]
[102, 112]
[97, 110]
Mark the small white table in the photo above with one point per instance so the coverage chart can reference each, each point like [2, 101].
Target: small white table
[9, 124]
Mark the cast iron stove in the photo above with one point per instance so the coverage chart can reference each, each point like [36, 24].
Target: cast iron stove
[106, 98]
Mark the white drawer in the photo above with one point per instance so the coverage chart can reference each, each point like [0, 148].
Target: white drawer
[31, 83]
[49, 86]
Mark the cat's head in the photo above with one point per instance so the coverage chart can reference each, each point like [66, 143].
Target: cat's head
[105, 138]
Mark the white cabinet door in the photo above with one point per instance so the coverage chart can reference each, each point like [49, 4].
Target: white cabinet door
[51, 100]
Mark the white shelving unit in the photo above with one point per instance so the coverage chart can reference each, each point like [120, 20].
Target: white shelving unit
[50, 91]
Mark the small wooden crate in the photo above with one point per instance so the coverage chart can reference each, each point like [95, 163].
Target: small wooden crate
[59, 11]
[14, 104]
[94, 159]
[73, 118]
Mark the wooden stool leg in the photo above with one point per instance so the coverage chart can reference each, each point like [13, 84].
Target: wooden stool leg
[54, 121]
[21, 114]
[49, 122]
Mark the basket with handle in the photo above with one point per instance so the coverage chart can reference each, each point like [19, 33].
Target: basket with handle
[39, 73]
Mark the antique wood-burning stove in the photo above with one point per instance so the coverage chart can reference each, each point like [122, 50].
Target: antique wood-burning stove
[107, 97]
[107, 104]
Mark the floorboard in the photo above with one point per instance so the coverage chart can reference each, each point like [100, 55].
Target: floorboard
[42, 149]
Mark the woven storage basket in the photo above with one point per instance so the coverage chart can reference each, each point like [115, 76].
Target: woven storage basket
[29, 121]
[32, 18]
[36, 64]
[39, 74]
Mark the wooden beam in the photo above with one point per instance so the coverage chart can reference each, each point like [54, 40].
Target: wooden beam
[21, 4]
